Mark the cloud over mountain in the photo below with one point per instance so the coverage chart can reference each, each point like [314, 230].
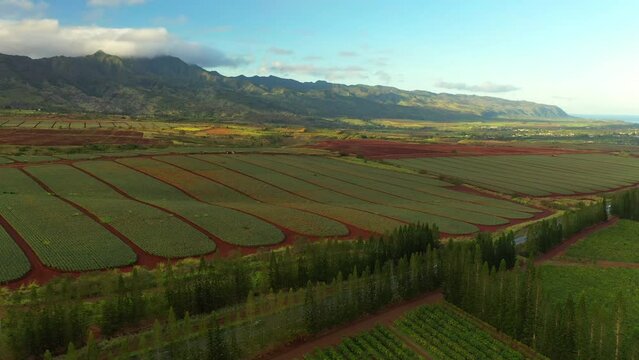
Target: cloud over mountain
[46, 37]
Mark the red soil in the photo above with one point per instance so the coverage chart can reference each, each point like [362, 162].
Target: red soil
[71, 137]
[382, 149]
[335, 336]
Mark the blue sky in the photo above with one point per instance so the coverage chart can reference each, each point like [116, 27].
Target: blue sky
[581, 55]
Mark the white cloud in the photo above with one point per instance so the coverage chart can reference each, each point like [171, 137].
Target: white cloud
[114, 3]
[45, 37]
[328, 73]
[20, 8]
[487, 87]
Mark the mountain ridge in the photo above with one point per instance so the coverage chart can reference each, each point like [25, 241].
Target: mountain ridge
[166, 86]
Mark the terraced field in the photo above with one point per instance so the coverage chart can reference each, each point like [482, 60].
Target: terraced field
[61, 235]
[534, 175]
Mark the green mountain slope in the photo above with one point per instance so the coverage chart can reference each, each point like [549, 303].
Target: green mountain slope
[166, 86]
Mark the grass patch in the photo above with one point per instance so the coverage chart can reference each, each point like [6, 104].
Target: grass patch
[619, 242]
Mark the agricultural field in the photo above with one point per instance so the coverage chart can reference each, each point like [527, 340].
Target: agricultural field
[204, 189]
[62, 236]
[619, 242]
[14, 263]
[157, 205]
[533, 175]
[231, 226]
[379, 343]
[599, 285]
[153, 230]
[446, 333]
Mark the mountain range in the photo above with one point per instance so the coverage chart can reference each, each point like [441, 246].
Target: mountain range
[167, 87]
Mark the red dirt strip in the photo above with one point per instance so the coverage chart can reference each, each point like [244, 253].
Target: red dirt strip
[43, 137]
[335, 336]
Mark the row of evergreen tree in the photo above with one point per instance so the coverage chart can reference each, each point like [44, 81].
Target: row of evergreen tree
[211, 286]
[514, 302]
[544, 235]
[626, 204]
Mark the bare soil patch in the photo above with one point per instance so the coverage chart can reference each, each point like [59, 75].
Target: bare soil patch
[71, 137]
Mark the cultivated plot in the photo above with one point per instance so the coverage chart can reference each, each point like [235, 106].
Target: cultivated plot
[155, 231]
[619, 242]
[534, 175]
[449, 334]
[14, 264]
[229, 225]
[62, 236]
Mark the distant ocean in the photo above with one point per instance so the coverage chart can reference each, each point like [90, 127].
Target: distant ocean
[628, 118]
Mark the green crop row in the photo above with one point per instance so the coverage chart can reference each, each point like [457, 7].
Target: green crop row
[361, 198]
[155, 231]
[13, 263]
[230, 225]
[535, 175]
[464, 210]
[378, 343]
[274, 187]
[61, 236]
[210, 191]
[248, 197]
[446, 334]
